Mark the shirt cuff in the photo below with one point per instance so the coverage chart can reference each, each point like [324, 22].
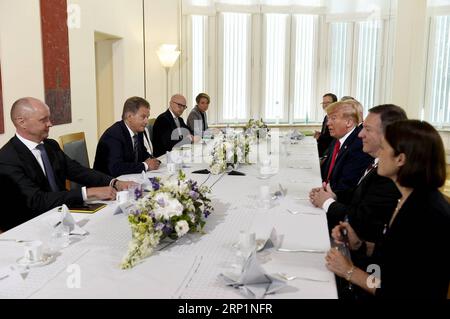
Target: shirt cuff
[327, 204]
[145, 165]
[84, 193]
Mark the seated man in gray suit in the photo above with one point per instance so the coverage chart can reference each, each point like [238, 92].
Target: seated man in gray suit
[34, 169]
[197, 120]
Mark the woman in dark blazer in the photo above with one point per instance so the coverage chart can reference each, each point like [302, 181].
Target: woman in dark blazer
[411, 260]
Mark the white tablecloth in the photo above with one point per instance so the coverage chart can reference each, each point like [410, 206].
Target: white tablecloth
[190, 267]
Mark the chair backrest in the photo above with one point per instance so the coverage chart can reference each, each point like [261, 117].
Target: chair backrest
[150, 124]
[74, 145]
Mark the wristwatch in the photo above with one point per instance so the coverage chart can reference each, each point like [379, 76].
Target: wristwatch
[114, 182]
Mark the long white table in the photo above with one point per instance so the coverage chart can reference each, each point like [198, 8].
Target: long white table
[189, 268]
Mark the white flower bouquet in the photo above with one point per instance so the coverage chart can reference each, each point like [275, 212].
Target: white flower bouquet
[258, 127]
[170, 207]
[229, 149]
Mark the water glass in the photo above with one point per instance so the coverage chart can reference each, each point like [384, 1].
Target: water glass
[265, 169]
[60, 237]
[247, 244]
[264, 196]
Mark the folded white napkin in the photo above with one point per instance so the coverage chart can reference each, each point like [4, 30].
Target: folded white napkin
[270, 242]
[125, 208]
[67, 220]
[253, 281]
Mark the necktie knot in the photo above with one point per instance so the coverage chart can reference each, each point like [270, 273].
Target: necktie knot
[40, 147]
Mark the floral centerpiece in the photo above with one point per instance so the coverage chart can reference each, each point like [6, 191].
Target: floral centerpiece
[230, 149]
[258, 127]
[169, 207]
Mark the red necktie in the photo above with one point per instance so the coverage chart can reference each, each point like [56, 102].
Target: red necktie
[337, 145]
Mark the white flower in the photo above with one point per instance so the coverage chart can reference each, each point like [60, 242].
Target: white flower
[167, 206]
[181, 228]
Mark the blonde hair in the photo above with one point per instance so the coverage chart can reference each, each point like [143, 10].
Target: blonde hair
[349, 108]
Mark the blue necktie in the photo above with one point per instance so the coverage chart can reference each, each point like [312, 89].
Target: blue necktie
[48, 168]
[135, 148]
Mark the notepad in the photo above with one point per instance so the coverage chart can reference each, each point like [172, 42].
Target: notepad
[86, 208]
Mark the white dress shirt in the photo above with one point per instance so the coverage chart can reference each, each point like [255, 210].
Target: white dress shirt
[37, 154]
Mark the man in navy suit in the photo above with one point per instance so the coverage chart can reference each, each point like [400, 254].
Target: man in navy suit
[323, 137]
[34, 169]
[121, 148]
[368, 206]
[170, 129]
[346, 161]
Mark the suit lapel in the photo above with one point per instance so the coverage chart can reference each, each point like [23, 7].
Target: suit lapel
[169, 116]
[127, 137]
[324, 125]
[34, 170]
[343, 150]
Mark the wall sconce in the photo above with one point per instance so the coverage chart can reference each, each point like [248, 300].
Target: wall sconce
[168, 55]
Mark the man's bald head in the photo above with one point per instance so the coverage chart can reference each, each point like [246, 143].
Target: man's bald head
[177, 104]
[31, 117]
[24, 107]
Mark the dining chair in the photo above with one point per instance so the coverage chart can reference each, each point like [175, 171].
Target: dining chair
[74, 145]
[150, 124]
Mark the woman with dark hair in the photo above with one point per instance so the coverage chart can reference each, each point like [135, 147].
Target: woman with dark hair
[197, 121]
[411, 260]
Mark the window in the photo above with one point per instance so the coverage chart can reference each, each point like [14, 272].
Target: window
[199, 26]
[369, 57]
[275, 89]
[257, 60]
[438, 82]
[305, 62]
[340, 58]
[355, 60]
[234, 57]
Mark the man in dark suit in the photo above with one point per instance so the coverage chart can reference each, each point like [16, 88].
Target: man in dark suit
[369, 206]
[169, 129]
[33, 169]
[346, 161]
[323, 137]
[121, 148]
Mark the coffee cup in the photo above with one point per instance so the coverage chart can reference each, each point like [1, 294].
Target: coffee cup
[122, 196]
[33, 251]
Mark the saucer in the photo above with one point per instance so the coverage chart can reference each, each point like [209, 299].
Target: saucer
[260, 243]
[46, 259]
[266, 176]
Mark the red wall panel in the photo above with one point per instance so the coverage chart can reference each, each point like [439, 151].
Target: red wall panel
[55, 47]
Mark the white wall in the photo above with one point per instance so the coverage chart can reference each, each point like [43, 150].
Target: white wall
[409, 56]
[20, 55]
[21, 58]
[162, 26]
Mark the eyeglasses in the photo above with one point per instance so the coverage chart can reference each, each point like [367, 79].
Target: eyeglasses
[180, 105]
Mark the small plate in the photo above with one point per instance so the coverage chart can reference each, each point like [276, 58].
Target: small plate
[46, 259]
[259, 244]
